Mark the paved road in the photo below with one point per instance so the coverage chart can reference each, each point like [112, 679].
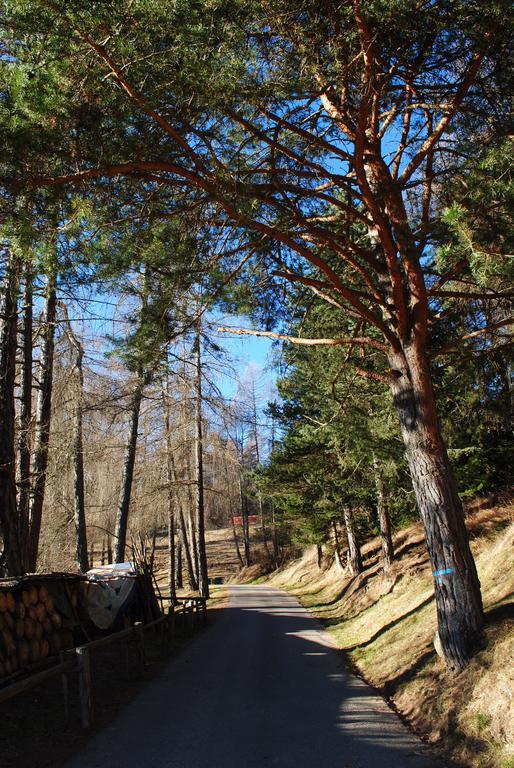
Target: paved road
[261, 688]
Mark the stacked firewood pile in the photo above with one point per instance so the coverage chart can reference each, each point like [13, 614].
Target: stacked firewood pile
[31, 628]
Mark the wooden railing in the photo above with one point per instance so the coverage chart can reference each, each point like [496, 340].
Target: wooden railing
[185, 616]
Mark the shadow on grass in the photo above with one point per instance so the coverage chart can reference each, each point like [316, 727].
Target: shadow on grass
[358, 581]
[502, 612]
[351, 617]
[391, 625]
[392, 686]
[497, 615]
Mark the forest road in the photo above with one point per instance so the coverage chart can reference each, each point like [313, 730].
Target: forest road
[261, 688]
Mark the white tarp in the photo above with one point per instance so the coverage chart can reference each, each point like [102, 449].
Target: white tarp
[107, 590]
[111, 569]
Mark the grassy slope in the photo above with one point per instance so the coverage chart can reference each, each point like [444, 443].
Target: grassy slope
[385, 624]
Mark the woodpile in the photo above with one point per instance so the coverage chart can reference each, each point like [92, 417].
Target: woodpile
[31, 629]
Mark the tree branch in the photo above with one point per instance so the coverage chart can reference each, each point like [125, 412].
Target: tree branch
[361, 340]
[473, 335]
[431, 141]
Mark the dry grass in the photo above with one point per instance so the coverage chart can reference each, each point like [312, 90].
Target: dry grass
[385, 624]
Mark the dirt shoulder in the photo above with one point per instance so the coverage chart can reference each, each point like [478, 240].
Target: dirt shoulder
[385, 625]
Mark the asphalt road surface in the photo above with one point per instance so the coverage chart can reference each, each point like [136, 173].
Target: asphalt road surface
[261, 688]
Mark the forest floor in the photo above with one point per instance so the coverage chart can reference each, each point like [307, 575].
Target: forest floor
[385, 624]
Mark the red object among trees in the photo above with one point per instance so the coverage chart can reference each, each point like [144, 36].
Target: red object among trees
[239, 520]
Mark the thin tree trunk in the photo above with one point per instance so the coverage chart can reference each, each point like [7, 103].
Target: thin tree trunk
[179, 582]
[203, 576]
[170, 477]
[171, 547]
[11, 562]
[236, 543]
[276, 547]
[263, 524]
[354, 552]
[319, 554]
[128, 475]
[78, 450]
[188, 551]
[386, 540]
[43, 418]
[258, 461]
[182, 544]
[234, 531]
[457, 588]
[245, 525]
[78, 471]
[25, 417]
[337, 546]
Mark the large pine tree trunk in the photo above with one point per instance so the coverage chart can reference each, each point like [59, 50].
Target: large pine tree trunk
[354, 552]
[43, 418]
[25, 416]
[11, 561]
[386, 540]
[203, 576]
[457, 588]
[127, 475]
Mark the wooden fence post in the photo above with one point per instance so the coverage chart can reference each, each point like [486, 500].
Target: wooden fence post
[86, 697]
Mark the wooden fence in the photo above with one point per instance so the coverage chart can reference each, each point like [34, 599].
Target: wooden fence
[185, 617]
